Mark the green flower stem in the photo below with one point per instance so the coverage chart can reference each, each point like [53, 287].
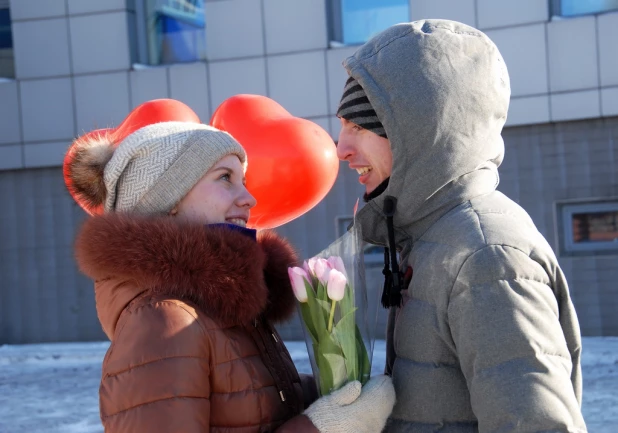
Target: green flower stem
[332, 317]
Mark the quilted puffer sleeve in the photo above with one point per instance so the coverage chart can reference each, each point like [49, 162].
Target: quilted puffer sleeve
[505, 322]
[156, 373]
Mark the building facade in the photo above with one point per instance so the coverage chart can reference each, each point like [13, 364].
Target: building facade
[71, 66]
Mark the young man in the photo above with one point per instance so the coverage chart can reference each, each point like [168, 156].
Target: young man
[482, 335]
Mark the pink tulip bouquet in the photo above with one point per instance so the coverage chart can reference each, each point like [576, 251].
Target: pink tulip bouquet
[333, 312]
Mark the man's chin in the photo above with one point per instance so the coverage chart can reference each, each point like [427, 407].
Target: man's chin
[376, 191]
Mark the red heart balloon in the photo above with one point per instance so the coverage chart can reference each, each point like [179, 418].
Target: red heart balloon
[148, 113]
[292, 161]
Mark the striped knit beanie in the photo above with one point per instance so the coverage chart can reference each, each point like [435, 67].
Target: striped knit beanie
[356, 108]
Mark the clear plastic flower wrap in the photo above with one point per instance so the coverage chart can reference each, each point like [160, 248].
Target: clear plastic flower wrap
[338, 319]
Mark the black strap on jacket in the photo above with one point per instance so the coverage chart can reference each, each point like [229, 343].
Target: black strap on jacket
[393, 279]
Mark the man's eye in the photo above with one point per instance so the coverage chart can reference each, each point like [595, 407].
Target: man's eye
[356, 128]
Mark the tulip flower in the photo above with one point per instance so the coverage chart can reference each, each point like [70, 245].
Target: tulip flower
[306, 267]
[335, 289]
[309, 265]
[322, 269]
[297, 277]
[336, 285]
[337, 263]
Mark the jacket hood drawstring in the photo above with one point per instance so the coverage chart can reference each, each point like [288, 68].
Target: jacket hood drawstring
[393, 279]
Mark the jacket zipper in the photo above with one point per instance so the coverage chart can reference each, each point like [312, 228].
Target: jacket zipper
[271, 353]
[287, 378]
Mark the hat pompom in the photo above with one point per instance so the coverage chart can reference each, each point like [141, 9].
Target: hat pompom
[84, 167]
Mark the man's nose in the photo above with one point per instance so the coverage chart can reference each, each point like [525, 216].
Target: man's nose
[345, 147]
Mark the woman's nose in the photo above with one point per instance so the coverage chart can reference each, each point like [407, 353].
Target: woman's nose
[246, 199]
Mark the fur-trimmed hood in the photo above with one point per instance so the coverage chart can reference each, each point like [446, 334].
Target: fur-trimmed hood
[223, 272]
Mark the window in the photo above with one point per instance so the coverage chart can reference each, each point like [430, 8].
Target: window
[569, 8]
[356, 21]
[7, 66]
[170, 31]
[343, 223]
[589, 228]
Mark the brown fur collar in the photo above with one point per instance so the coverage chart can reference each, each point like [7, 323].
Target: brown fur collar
[225, 273]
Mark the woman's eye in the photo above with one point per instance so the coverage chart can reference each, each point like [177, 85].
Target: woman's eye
[226, 177]
[356, 128]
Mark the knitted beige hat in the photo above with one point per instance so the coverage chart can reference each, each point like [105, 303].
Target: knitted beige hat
[151, 170]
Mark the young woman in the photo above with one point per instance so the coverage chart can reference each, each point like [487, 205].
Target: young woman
[188, 295]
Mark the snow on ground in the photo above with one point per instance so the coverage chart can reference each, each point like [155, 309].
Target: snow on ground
[53, 388]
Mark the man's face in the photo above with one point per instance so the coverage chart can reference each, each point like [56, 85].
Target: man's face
[366, 152]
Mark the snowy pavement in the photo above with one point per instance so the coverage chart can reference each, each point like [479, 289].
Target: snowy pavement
[53, 388]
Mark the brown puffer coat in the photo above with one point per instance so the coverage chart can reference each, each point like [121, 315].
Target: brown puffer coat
[188, 309]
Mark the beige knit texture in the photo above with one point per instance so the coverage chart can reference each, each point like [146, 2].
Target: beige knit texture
[353, 409]
[156, 166]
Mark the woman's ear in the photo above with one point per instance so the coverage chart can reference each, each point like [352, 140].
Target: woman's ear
[173, 212]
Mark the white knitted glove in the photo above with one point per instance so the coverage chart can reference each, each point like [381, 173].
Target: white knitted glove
[354, 410]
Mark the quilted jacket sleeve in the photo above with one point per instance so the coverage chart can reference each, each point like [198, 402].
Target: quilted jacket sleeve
[156, 373]
[504, 319]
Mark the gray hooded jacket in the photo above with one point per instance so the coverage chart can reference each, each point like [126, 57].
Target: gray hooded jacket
[488, 339]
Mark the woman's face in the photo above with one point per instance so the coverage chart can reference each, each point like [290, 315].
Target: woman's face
[220, 196]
